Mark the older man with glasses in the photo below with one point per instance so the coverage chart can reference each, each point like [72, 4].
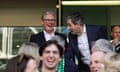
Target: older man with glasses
[48, 19]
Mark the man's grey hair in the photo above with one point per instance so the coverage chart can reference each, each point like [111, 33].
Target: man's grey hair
[59, 39]
[103, 45]
[30, 49]
[47, 13]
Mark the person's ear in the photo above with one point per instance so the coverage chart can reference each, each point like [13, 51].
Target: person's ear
[111, 33]
[41, 22]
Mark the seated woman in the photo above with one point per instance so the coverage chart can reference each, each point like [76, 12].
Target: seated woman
[26, 60]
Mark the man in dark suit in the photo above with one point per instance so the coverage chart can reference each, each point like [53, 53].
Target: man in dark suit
[48, 22]
[80, 39]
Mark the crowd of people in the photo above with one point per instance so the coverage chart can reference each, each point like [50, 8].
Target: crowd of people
[86, 50]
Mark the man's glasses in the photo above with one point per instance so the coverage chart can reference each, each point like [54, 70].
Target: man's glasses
[49, 19]
[117, 32]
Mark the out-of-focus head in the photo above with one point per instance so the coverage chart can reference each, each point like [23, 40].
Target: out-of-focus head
[29, 49]
[112, 62]
[28, 55]
[75, 23]
[60, 40]
[51, 53]
[115, 31]
[103, 45]
[48, 21]
[96, 61]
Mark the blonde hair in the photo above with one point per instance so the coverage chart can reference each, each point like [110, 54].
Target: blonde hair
[111, 62]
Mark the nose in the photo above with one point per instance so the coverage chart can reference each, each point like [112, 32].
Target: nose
[51, 54]
[92, 66]
[68, 27]
[51, 22]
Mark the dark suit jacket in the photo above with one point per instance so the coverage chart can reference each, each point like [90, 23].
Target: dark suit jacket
[40, 38]
[70, 66]
[12, 65]
[93, 33]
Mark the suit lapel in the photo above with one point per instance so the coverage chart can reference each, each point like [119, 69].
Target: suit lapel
[89, 36]
[75, 44]
[41, 38]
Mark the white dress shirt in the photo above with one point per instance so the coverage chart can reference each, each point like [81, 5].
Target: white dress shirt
[48, 36]
[84, 46]
[113, 45]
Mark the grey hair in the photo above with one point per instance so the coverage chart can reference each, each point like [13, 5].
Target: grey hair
[30, 48]
[59, 39]
[103, 45]
[47, 13]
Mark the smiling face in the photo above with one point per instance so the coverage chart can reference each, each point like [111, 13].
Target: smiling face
[74, 28]
[51, 57]
[48, 23]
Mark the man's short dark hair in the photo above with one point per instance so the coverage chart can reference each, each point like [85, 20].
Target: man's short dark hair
[48, 43]
[76, 18]
[112, 27]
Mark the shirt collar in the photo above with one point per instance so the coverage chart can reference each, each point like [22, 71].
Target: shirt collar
[47, 33]
[84, 28]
